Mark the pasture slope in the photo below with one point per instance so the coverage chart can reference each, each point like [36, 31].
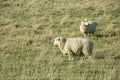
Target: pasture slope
[28, 28]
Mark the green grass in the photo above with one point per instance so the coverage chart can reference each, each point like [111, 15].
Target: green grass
[28, 29]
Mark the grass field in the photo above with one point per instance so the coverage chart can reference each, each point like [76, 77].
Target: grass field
[28, 29]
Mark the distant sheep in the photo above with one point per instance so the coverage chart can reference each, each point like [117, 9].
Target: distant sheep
[74, 46]
[87, 27]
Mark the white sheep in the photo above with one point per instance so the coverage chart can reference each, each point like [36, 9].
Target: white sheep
[74, 46]
[87, 27]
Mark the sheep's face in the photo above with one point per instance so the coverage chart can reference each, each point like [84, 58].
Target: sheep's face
[86, 22]
[57, 41]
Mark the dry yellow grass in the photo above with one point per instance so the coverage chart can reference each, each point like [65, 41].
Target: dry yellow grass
[27, 30]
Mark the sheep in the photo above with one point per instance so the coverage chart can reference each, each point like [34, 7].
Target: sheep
[76, 46]
[87, 27]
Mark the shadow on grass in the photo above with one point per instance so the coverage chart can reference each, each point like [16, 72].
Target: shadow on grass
[99, 57]
[106, 35]
[117, 57]
[104, 57]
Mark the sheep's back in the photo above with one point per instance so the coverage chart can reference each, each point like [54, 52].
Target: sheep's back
[76, 44]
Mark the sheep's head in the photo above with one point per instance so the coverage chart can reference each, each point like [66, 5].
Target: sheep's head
[59, 40]
[85, 21]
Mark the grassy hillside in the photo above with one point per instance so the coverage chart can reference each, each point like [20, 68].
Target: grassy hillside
[28, 28]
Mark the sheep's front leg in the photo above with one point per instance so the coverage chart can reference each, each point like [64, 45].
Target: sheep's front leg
[71, 56]
[85, 35]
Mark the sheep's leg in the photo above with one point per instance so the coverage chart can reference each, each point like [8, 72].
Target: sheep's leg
[92, 34]
[86, 51]
[70, 56]
[85, 35]
[89, 35]
[90, 57]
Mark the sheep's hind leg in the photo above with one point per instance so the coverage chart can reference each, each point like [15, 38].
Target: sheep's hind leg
[86, 52]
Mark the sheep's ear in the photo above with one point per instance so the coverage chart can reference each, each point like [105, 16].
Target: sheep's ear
[85, 20]
[60, 37]
[63, 39]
